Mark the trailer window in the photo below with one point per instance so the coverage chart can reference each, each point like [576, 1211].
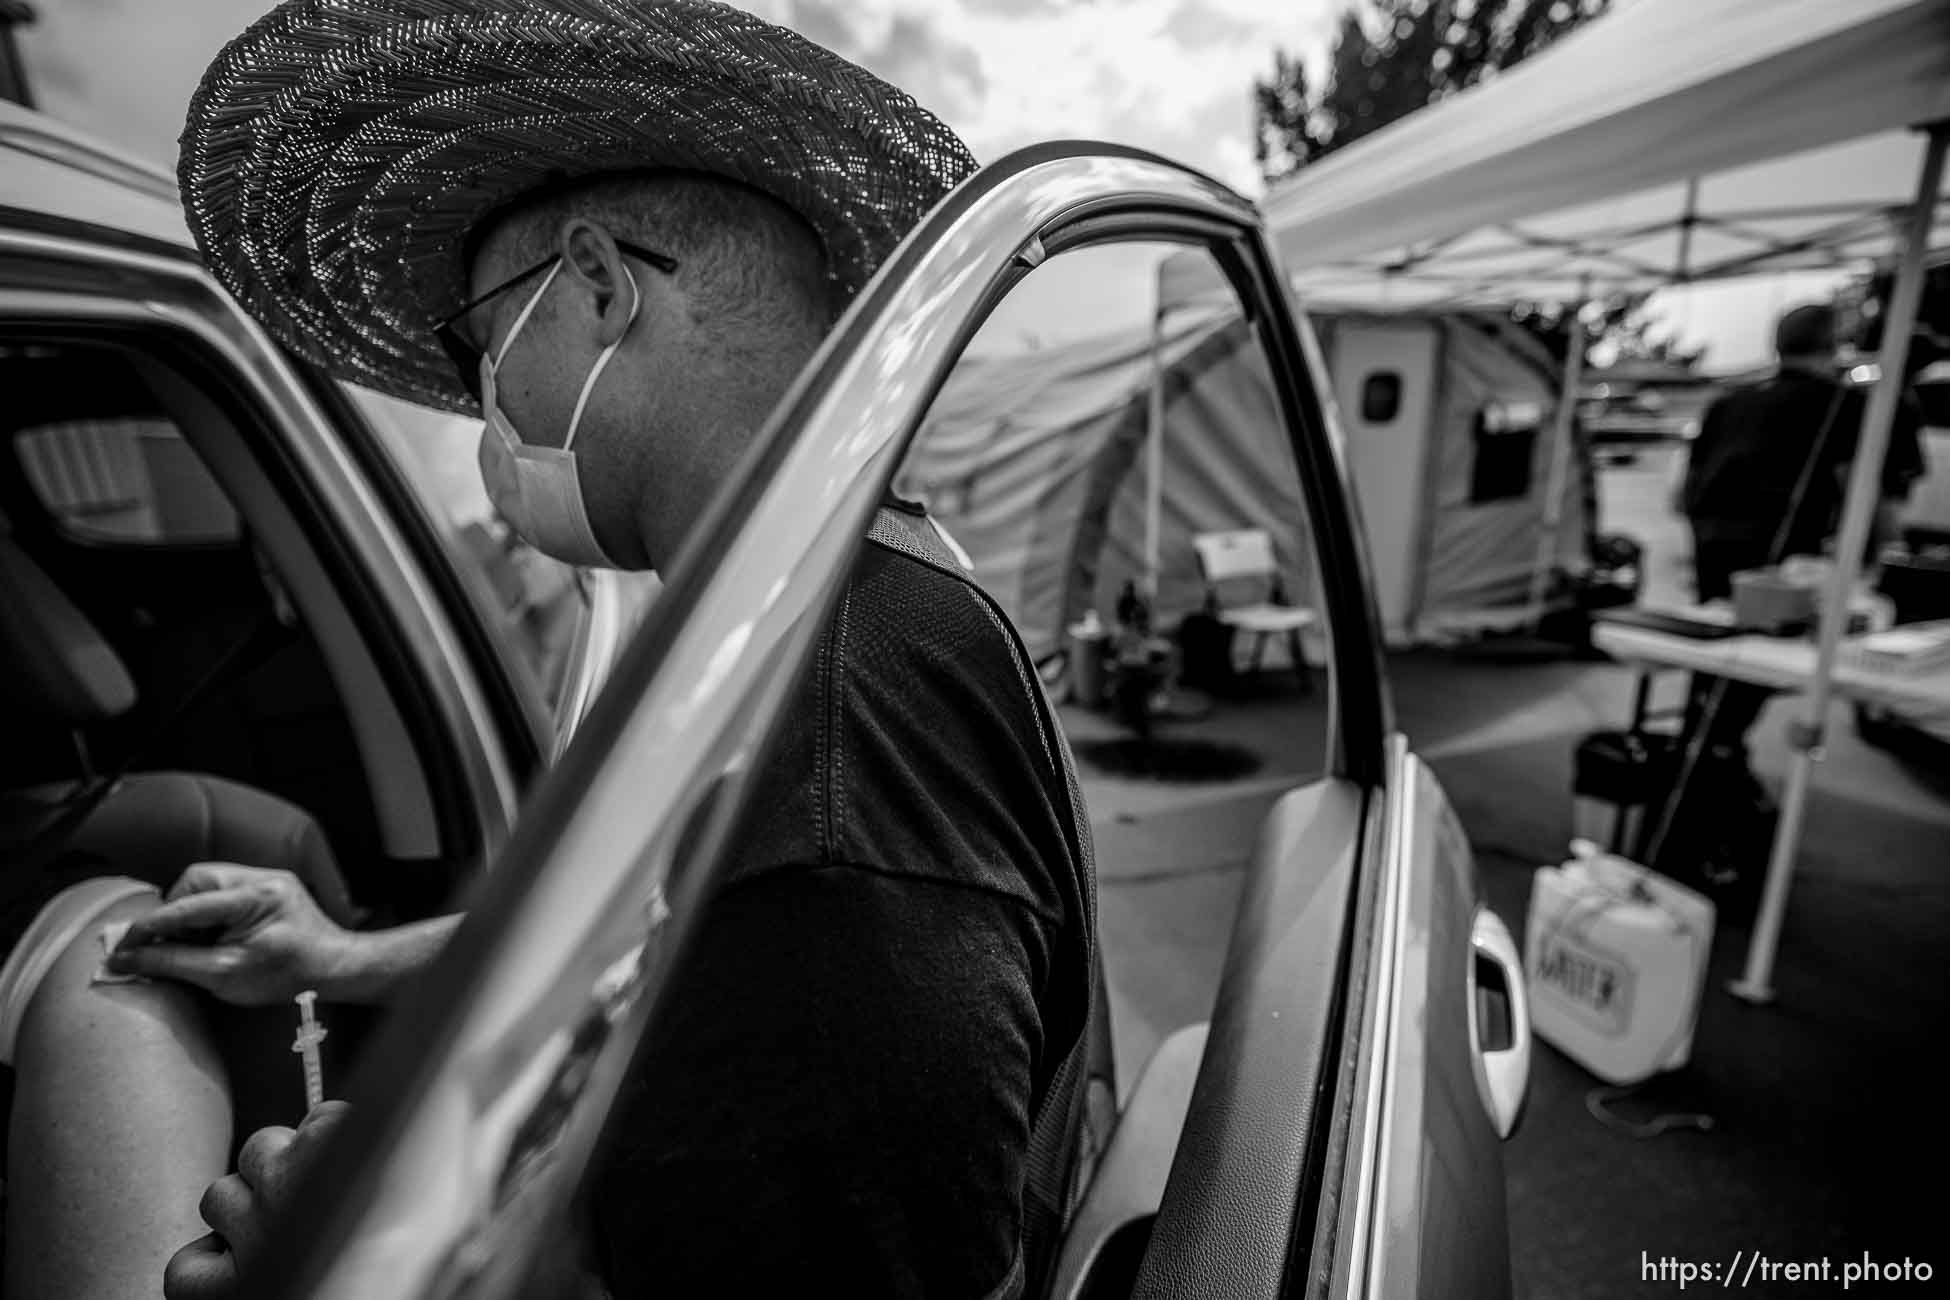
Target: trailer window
[1506, 443]
[1381, 396]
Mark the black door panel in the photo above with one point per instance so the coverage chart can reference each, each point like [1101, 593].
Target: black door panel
[1250, 1145]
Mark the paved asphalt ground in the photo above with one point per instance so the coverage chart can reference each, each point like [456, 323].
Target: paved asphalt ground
[1829, 1137]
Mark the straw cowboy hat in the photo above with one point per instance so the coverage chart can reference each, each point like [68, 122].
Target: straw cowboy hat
[337, 152]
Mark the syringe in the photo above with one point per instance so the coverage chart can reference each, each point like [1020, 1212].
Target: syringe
[310, 1035]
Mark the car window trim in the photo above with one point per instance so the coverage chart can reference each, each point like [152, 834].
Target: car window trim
[88, 233]
[1343, 1226]
[523, 723]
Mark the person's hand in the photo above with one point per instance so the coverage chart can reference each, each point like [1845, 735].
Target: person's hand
[250, 936]
[239, 1206]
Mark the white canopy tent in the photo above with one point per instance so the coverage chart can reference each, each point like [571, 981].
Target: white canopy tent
[1671, 142]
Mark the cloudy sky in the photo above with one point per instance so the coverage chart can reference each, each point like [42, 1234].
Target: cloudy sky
[1174, 76]
[1169, 75]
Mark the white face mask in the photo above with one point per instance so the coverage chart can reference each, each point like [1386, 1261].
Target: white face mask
[538, 490]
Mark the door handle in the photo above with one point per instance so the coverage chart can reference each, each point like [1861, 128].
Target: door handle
[1502, 1070]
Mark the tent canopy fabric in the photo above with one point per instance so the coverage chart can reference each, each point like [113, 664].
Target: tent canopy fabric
[1035, 463]
[1671, 141]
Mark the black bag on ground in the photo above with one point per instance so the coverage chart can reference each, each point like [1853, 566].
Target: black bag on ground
[1716, 836]
[1627, 768]
[1205, 654]
[1616, 777]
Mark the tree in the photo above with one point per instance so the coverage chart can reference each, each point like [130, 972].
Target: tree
[1391, 58]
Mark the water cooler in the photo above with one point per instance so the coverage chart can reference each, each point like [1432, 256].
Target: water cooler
[1615, 958]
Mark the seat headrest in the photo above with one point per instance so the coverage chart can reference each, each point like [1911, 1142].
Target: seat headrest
[54, 665]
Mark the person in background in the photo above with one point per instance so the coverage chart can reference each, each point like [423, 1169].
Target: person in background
[1766, 478]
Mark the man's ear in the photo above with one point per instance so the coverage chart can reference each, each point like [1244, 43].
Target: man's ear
[591, 259]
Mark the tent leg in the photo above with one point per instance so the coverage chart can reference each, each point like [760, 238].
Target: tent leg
[1154, 459]
[1300, 664]
[1864, 491]
[1560, 456]
[1756, 984]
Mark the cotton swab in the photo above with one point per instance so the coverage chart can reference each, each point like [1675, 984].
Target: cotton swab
[310, 1035]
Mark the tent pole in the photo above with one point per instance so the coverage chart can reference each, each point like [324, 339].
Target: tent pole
[1559, 464]
[1154, 458]
[1688, 218]
[1864, 492]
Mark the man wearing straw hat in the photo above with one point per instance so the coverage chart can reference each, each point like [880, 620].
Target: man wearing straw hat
[619, 229]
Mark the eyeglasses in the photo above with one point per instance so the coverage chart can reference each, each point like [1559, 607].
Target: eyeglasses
[466, 354]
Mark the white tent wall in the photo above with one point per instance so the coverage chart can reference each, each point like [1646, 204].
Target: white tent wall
[1035, 463]
[1225, 465]
[1454, 551]
[1019, 504]
[1481, 555]
[1387, 442]
[1020, 455]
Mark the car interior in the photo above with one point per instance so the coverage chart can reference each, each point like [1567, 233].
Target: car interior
[183, 676]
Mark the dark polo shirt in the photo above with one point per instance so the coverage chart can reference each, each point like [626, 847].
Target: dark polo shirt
[889, 994]
[1753, 444]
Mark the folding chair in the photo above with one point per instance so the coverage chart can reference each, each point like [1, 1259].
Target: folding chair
[1244, 591]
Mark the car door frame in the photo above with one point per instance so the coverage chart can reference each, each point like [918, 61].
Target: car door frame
[592, 893]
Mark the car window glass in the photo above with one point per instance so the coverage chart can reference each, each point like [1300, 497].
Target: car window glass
[125, 479]
[1124, 483]
[534, 602]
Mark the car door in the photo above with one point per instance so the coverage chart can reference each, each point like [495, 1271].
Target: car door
[1335, 1104]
